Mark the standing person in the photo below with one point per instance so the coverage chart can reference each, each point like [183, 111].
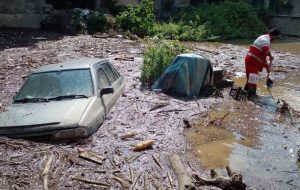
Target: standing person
[256, 58]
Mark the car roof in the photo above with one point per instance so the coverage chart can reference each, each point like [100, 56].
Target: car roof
[83, 63]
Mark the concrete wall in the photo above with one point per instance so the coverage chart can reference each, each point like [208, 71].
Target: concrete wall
[22, 13]
[296, 7]
[288, 25]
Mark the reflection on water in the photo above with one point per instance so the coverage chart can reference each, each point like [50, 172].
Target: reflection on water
[252, 139]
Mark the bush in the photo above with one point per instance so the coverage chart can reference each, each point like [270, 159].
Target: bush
[226, 20]
[138, 19]
[96, 22]
[189, 33]
[166, 30]
[180, 31]
[232, 20]
[158, 55]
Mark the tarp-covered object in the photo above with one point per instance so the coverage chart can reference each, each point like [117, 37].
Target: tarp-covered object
[188, 75]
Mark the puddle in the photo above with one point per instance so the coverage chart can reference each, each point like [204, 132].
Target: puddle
[252, 139]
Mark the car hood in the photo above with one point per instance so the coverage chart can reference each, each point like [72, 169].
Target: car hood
[66, 112]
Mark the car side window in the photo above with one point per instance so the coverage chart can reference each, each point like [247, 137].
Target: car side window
[102, 79]
[112, 74]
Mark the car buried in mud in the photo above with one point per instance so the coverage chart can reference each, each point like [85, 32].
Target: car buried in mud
[68, 100]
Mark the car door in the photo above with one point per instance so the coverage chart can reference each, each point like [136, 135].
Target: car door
[115, 79]
[102, 82]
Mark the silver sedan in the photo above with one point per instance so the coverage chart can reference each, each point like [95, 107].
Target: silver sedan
[64, 101]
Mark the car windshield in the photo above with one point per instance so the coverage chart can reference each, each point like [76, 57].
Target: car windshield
[56, 85]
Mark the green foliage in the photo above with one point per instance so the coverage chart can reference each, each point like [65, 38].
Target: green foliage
[190, 33]
[232, 20]
[138, 19]
[73, 23]
[96, 22]
[189, 15]
[158, 55]
[180, 31]
[166, 30]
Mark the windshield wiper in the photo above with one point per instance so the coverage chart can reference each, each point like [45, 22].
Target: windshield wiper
[73, 96]
[25, 100]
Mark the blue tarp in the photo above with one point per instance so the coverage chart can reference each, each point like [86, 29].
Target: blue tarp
[187, 75]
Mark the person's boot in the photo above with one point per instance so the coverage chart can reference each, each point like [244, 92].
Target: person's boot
[251, 92]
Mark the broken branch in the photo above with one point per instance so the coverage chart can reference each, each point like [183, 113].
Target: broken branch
[45, 173]
[91, 156]
[234, 182]
[157, 161]
[90, 181]
[122, 182]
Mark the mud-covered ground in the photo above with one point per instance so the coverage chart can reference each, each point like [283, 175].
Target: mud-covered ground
[147, 114]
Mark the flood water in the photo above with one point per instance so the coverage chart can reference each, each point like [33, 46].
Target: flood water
[252, 137]
[291, 45]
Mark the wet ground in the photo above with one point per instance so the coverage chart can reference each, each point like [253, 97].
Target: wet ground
[138, 110]
[254, 138]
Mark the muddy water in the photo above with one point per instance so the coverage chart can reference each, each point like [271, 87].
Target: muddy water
[252, 138]
[291, 45]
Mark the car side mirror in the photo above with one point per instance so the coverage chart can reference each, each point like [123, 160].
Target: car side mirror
[106, 90]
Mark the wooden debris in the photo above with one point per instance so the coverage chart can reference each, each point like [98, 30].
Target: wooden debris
[133, 158]
[143, 145]
[191, 166]
[2, 108]
[125, 58]
[218, 121]
[91, 181]
[279, 69]
[135, 180]
[45, 173]
[156, 160]
[233, 182]
[131, 173]
[91, 156]
[124, 183]
[284, 108]
[159, 105]
[128, 135]
[187, 123]
[185, 181]
[100, 171]
[155, 182]
[170, 180]
[72, 159]
[146, 181]
[206, 50]
[172, 110]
